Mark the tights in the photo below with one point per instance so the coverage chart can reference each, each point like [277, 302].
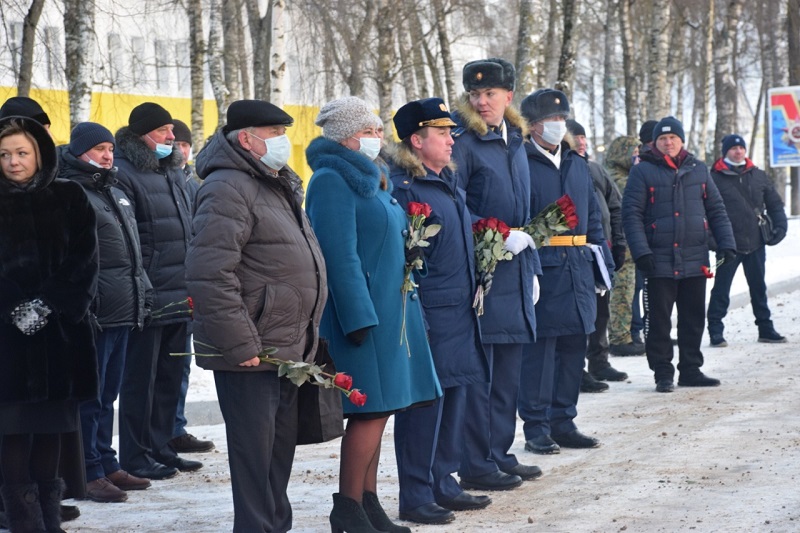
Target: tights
[29, 457]
[361, 453]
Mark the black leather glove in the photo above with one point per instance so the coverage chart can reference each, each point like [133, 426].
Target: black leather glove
[412, 254]
[646, 264]
[726, 256]
[777, 236]
[148, 317]
[618, 255]
[358, 336]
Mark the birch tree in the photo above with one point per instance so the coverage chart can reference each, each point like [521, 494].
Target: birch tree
[261, 38]
[526, 59]
[626, 36]
[658, 89]
[29, 25]
[278, 57]
[793, 27]
[197, 55]
[231, 39]
[609, 111]
[565, 81]
[386, 59]
[216, 76]
[708, 58]
[440, 17]
[79, 47]
[724, 82]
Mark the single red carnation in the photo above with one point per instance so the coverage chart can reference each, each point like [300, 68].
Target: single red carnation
[190, 302]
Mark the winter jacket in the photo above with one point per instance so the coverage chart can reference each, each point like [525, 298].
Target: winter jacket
[609, 200]
[48, 250]
[362, 230]
[567, 302]
[448, 288]
[123, 288]
[669, 211]
[496, 179]
[157, 190]
[254, 267]
[760, 192]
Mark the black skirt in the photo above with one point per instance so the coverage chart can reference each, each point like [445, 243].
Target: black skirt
[52, 416]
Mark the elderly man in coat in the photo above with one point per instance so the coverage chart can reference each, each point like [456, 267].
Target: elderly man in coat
[257, 277]
[428, 439]
[493, 170]
[669, 205]
[565, 313]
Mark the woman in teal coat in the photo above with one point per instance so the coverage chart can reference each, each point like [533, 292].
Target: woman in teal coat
[362, 231]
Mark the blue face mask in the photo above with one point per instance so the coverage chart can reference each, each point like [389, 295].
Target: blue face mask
[161, 150]
[370, 147]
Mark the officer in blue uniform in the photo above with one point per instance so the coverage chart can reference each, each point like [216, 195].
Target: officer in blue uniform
[493, 170]
[428, 439]
[567, 306]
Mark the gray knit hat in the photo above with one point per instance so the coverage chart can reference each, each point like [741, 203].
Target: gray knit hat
[345, 117]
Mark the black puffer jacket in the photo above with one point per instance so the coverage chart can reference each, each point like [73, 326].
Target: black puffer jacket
[161, 202]
[123, 286]
[761, 194]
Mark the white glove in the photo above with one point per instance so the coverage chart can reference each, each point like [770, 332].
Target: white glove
[517, 241]
[535, 289]
[30, 317]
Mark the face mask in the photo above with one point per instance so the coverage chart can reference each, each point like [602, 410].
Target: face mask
[94, 163]
[732, 164]
[370, 147]
[161, 150]
[278, 151]
[634, 160]
[553, 132]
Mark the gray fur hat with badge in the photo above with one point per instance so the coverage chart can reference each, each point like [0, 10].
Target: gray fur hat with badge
[488, 73]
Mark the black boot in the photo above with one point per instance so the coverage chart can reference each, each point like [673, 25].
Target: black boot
[23, 512]
[377, 516]
[50, 493]
[348, 516]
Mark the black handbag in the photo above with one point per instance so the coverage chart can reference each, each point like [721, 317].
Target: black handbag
[762, 217]
[319, 410]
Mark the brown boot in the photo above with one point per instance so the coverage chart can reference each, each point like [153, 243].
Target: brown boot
[125, 481]
[103, 491]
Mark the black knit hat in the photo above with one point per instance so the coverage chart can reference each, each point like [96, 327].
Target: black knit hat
[147, 117]
[86, 136]
[544, 103]
[487, 73]
[22, 106]
[669, 125]
[729, 141]
[420, 114]
[646, 131]
[575, 128]
[254, 114]
[181, 132]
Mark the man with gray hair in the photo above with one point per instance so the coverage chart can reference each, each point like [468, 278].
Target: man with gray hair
[256, 274]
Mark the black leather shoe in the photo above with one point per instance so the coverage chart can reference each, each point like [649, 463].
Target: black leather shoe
[526, 472]
[589, 384]
[609, 374]
[575, 439]
[466, 502]
[542, 445]
[625, 350]
[429, 513]
[665, 385]
[184, 465]
[69, 512]
[493, 481]
[697, 380]
[156, 471]
[771, 336]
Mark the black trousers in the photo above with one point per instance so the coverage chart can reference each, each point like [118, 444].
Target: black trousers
[148, 398]
[260, 413]
[660, 296]
[597, 350]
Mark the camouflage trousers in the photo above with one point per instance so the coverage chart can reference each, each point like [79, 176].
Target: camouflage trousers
[619, 323]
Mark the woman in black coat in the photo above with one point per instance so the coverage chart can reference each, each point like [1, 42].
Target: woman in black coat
[48, 276]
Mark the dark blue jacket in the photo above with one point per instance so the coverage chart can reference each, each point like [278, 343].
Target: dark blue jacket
[670, 211]
[567, 301]
[448, 288]
[495, 177]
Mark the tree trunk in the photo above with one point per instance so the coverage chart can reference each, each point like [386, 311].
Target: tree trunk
[565, 81]
[658, 89]
[609, 81]
[79, 47]
[793, 12]
[444, 47]
[417, 48]
[386, 59]
[626, 34]
[707, 63]
[407, 70]
[231, 32]
[260, 36]
[216, 76]
[551, 53]
[527, 51]
[197, 54]
[676, 65]
[724, 82]
[278, 57]
[28, 42]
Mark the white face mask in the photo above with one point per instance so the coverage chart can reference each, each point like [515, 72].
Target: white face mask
[731, 163]
[279, 149]
[370, 147]
[553, 132]
[94, 163]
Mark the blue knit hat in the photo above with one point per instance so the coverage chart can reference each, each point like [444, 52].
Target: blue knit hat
[86, 136]
[729, 141]
[669, 125]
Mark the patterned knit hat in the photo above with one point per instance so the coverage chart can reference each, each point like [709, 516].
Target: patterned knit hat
[345, 117]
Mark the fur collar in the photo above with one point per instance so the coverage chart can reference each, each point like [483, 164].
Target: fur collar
[471, 120]
[131, 146]
[361, 174]
[404, 158]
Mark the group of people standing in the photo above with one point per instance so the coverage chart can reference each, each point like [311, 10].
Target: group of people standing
[256, 270]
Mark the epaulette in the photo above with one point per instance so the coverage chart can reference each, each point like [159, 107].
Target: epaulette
[455, 133]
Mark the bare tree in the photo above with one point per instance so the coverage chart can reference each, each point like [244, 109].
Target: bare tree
[386, 59]
[609, 111]
[79, 47]
[550, 53]
[261, 38]
[278, 57]
[793, 23]
[444, 46]
[416, 47]
[216, 75]
[527, 51]
[232, 39]
[724, 82]
[197, 55]
[565, 81]
[626, 35]
[28, 40]
[658, 89]
[705, 76]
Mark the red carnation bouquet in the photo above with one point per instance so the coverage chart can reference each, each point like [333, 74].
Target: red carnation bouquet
[184, 307]
[489, 235]
[416, 240]
[554, 219]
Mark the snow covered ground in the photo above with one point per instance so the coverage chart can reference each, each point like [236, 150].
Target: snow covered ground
[720, 459]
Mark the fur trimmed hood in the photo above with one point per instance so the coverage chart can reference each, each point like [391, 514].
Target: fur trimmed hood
[361, 174]
[404, 157]
[471, 120]
[131, 146]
